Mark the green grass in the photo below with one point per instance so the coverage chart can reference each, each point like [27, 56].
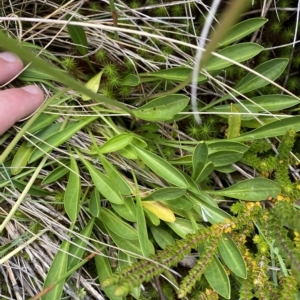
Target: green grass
[115, 172]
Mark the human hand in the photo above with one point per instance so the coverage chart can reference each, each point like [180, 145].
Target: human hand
[16, 103]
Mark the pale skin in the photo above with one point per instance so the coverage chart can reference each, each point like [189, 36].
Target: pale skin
[15, 103]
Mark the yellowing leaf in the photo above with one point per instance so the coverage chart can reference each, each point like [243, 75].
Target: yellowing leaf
[161, 211]
[93, 85]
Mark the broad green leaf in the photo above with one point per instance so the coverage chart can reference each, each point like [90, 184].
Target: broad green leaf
[46, 133]
[57, 269]
[247, 109]
[116, 143]
[77, 248]
[59, 138]
[165, 194]
[161, 167]
[21, 159]
[141, 225]
[153, 220]
[256, 189]
[128, 152]
[160, 210]
[94, 203]
[234, 123]
[104, 271]
[116, 178]
[217, 278]
[117, 225]
[175, 74]
[93, 84]
[239, 53]
[206, 171]
[73, 191]
[225, 144]
[199, 159]
[126, 210]
[232, 256]
[56, 174]
[162, 108]
[182, 203]
[242, 29]
[42, 122]
[162, 237]
[182, 227]
[274, 102]
[271, 69]
[224, 158]
[103, 183]
[276, 128]
[130, 80]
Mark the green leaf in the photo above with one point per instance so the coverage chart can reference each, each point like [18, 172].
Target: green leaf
[224, 158]
[116, 143]
[93, 84]
[234, 122]
[225, 144]
[199, 159]
[256, 189]
[116, 178]
[182, 227]
[242, 29]
[103, 183]
[165, 194]
[94, 203]
[271, 69]
[217, 278]
[162, 237]
[161, 167]
[206, 171]
[21, 159]
[126, 210]
[162, 108]
[130, 80]
[78, 246]
[239, 53]
[73, 191]
[56, 174]
[57, 269]
[247, 109]
[34, 190]
[183, 203]
[42, 122]
[117, 225]
[276, 128]
[232, 256]
[274, 102]
[59, 138]
[175, 74]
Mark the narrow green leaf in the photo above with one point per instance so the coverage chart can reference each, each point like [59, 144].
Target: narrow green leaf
[224, 158]
[59, 138]
[162, 237]
[232, 256]
[206, 171]
[34, 190]
[162, 108]
[57, 269]
[199, 159]
[217, 278]
[161, 167]
[56, 174]
[242, 29]
[77, 248]
[116, 143]
[42, 122]
[73, 191]
[234, 123]
[103, 183]
[256, 189]
[276, 128]
[93, 84]
[116, 178]
[248, 110]
[270, 69]
[130, 80]
[165, 194]
[117, 225]
[225, 144]
[126, 210]
[182, 227]
[239, 53]
[94, 203]
[20, 159]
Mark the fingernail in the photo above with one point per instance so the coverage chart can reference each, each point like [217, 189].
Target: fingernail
[9, 57]
[32, 89]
